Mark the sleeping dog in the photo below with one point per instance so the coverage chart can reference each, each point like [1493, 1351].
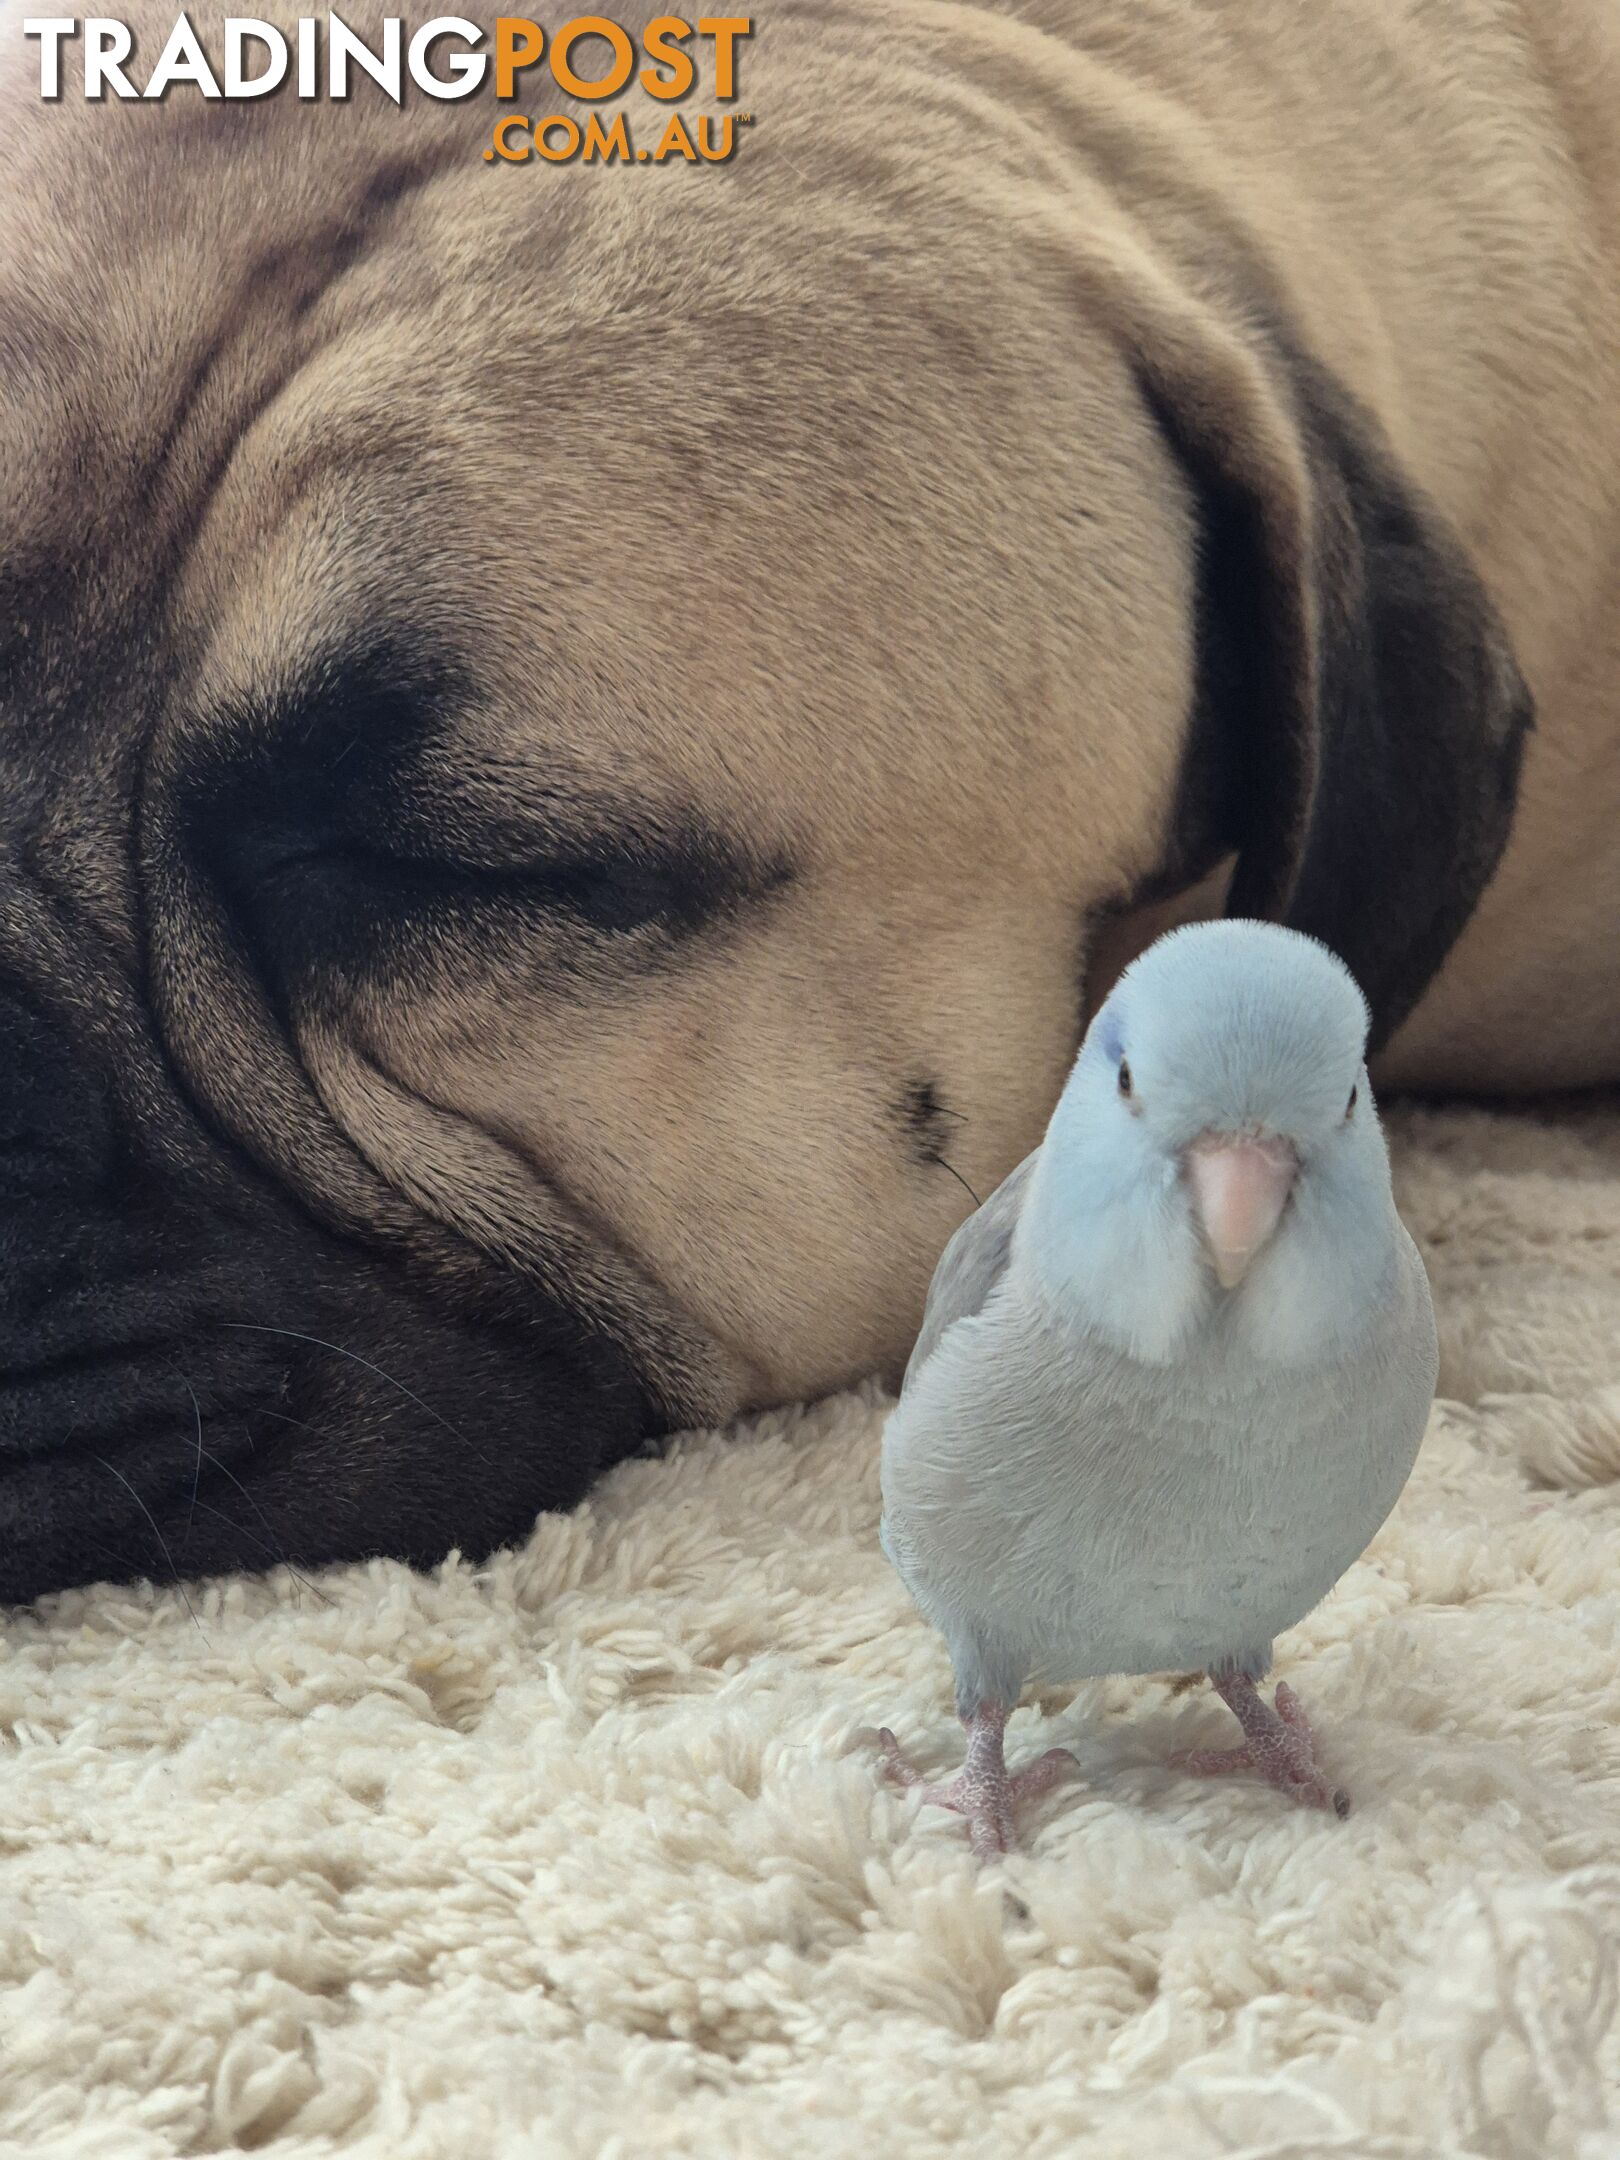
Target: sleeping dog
[576, 741]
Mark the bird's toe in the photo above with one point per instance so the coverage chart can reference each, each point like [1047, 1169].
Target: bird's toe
[1295, 1750]
[985, 1794]
[1214, 1762]
[893, 1762]
[990, 1833]
[1285, 1757]
[1289, 1707]
[1041, 1775]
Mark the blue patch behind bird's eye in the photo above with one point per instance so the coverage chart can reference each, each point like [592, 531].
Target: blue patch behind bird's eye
[1110, 1037]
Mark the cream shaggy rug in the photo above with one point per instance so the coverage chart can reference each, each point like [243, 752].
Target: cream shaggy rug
[583, 1853]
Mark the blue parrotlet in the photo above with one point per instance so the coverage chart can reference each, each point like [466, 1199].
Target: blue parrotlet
[1173, 1374]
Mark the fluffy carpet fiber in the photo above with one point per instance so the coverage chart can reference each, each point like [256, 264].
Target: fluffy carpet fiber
[583, 1853]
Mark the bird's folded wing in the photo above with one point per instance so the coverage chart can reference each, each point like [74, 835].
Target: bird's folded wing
[971, 1265]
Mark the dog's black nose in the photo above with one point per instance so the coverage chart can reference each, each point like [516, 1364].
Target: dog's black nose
[56, 1127]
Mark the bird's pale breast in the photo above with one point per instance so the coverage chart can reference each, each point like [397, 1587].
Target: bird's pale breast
[1098, 1515]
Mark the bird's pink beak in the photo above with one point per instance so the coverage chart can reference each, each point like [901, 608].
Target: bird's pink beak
[1240, 1186]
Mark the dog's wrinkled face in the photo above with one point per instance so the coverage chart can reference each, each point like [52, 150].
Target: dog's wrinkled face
[563, 733]
[558, 753]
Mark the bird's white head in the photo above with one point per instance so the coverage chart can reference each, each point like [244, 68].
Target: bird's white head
[1217, 1130]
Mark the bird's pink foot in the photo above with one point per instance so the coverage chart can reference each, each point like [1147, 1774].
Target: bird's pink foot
[1278, 1745]
[983, 1789]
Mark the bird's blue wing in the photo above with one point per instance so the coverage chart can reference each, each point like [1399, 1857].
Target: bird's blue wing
[971, 1265]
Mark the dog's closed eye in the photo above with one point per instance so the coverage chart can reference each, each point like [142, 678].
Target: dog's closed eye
[344, 819]
[606, 888]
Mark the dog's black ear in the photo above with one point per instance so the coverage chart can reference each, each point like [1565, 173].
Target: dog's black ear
[1360, 715]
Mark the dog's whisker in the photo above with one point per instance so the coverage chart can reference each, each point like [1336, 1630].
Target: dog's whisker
[163, 1542]
[268, 1544]
[196, 1472]
[250, 1327]
[945, 1164]
[269, 1539]
[285, 1417]
[128, 1565]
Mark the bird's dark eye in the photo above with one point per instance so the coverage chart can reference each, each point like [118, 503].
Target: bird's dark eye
[1350, 1106]
[1124, 1078]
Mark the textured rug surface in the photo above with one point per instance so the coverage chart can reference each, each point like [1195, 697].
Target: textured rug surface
[582, 1853]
